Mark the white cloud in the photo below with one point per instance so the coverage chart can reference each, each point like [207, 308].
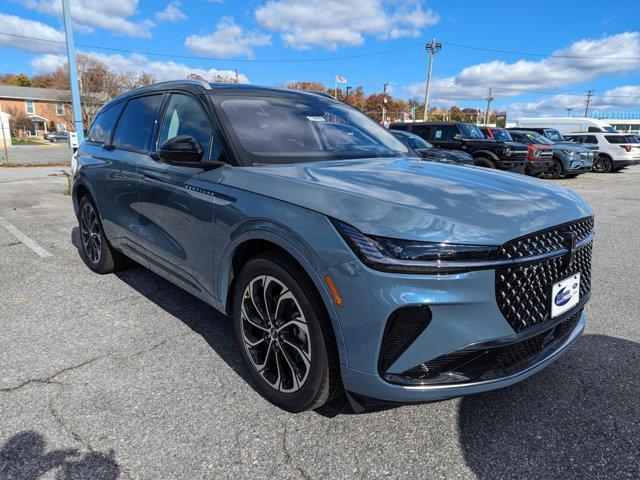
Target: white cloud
[511, 79]
[228, 40]
[334, 23]
[620, 98]
[88, 15]
[21, 26]
[171, 13]
[136, 64]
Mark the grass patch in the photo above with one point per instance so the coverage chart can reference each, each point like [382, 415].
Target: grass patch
[28, 141]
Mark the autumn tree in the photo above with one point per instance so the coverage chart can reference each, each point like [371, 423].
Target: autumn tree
[20, 80]
[19, 122]
[309, 86]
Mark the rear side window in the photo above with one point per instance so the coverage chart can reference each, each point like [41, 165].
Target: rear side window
[445, 132]
[102, 124]
[617, 139]
[590, 139]
[420, 130]
[136, 123]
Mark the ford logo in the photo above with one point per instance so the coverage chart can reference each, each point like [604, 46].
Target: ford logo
[562, 297]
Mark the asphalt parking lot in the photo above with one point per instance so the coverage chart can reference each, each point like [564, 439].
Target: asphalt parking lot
[126, 376]
[48, 154]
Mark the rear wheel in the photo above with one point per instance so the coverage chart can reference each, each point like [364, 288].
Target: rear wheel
[484, 162]
[554, 171]
[284, 334]
[95, 250]
[602, 164]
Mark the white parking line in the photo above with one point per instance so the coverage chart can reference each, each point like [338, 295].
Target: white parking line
[24, 239]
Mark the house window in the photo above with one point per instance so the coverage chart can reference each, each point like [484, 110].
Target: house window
[29, 107]
[59, 108]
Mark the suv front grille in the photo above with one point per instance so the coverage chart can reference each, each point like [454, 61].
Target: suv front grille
[523, 292]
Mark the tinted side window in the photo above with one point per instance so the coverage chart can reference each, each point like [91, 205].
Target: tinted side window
[420, 130]
[136, 122]
[184, 116]
[590, 139]
[444, 132]
[102, 124]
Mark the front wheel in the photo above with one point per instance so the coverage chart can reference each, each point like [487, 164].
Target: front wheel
[602, 164]
[484, 162]
[284, 334]
[554, 171]
[53, 140]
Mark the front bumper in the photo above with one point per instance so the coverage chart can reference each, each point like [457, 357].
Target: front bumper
[577, 165]
[373, 386]
[538, 166]
[422, 337]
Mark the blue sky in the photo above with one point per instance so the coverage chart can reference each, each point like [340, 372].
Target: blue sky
[242, 34]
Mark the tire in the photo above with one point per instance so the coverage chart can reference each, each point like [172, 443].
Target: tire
[95, 250]
[603, 164]
[293, 363]
[553, 172]
[484, 162]
[54, 140]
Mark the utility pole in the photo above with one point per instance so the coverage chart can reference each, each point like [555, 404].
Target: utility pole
[568, 109]
[73, 72]
[489, 99]
[432, 47]
[588, 101]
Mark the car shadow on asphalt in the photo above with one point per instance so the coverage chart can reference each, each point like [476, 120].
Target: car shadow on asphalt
[24, 456]
[579, 418]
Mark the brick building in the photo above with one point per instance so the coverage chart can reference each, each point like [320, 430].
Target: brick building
[47, 109]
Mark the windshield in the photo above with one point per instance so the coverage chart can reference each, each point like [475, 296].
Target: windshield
[537, 138]
[304, 128]
[501, 135]
[413, 140]
[554, 135]
[470, 131]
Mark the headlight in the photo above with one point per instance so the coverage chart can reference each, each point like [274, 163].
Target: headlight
[572, 153]
[409, 256]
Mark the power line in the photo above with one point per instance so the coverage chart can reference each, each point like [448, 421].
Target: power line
[219, 59]
[321, 59]
[531, 54]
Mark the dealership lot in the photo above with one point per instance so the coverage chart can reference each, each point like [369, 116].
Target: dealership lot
[126, 376]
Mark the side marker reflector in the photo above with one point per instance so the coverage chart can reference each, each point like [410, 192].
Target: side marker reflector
[334, 292]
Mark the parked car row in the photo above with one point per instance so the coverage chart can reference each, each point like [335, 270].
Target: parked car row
[534, 149]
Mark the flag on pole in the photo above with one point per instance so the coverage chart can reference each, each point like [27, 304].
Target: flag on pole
[340, 79]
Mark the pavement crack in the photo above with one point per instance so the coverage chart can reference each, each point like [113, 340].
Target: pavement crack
[51, 378]
[287, 455]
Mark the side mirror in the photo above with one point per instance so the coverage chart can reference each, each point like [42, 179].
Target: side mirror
[181, 150]
[457, 136]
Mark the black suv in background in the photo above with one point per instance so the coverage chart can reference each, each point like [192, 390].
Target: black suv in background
[468, 138]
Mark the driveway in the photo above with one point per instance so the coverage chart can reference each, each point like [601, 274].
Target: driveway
[126, 376]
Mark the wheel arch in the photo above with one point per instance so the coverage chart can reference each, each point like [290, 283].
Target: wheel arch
[251, 243]
[485, 153]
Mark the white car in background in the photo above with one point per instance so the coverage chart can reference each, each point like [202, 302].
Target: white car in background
[615, 150]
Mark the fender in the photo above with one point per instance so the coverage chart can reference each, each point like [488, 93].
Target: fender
[80, 180]
[485, 153]
[280, 236]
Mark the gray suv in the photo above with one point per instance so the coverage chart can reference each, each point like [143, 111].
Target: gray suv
[570, 158]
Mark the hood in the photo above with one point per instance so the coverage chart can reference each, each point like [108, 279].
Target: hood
[573, 146]
[416, 200]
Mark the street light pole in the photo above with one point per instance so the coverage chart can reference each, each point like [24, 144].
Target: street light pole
[486, 112]
[568, 109]
[432, 47]
[384, 102]
[73, 72]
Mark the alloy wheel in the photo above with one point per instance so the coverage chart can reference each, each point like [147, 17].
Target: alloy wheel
[275, 334]
[553, 172]
[90, 233]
